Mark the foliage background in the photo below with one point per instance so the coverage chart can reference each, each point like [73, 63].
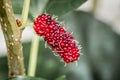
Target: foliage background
[99, 41]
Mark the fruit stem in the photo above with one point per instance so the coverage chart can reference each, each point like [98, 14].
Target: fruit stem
[33, 55]
[25, 12]
[12, 35]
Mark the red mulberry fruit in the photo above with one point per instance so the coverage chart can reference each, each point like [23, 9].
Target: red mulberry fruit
[57, 37]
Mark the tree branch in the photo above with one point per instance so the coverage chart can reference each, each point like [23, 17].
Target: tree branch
[12, 36]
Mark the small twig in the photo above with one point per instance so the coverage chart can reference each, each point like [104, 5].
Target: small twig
[25, 12]
[33, 56]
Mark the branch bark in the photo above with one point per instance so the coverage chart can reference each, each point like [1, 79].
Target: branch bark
[12, 35]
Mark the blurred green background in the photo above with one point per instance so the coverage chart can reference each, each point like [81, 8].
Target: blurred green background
[100, 43]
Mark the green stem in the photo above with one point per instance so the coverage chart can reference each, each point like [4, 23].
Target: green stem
[25, 12]
[12, 36]
[33, 55]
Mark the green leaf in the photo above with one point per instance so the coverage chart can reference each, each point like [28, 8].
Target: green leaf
[25, 78]
[3, 68]
[36, 7]
[60, 7]
[56, 7]
[63, 77]
[100, 46]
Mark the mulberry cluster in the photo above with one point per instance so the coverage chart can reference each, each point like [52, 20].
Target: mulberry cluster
[56, 36]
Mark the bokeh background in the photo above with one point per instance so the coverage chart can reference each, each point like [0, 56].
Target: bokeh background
[95, 25]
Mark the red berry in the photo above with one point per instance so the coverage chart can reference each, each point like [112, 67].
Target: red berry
[57, 37]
